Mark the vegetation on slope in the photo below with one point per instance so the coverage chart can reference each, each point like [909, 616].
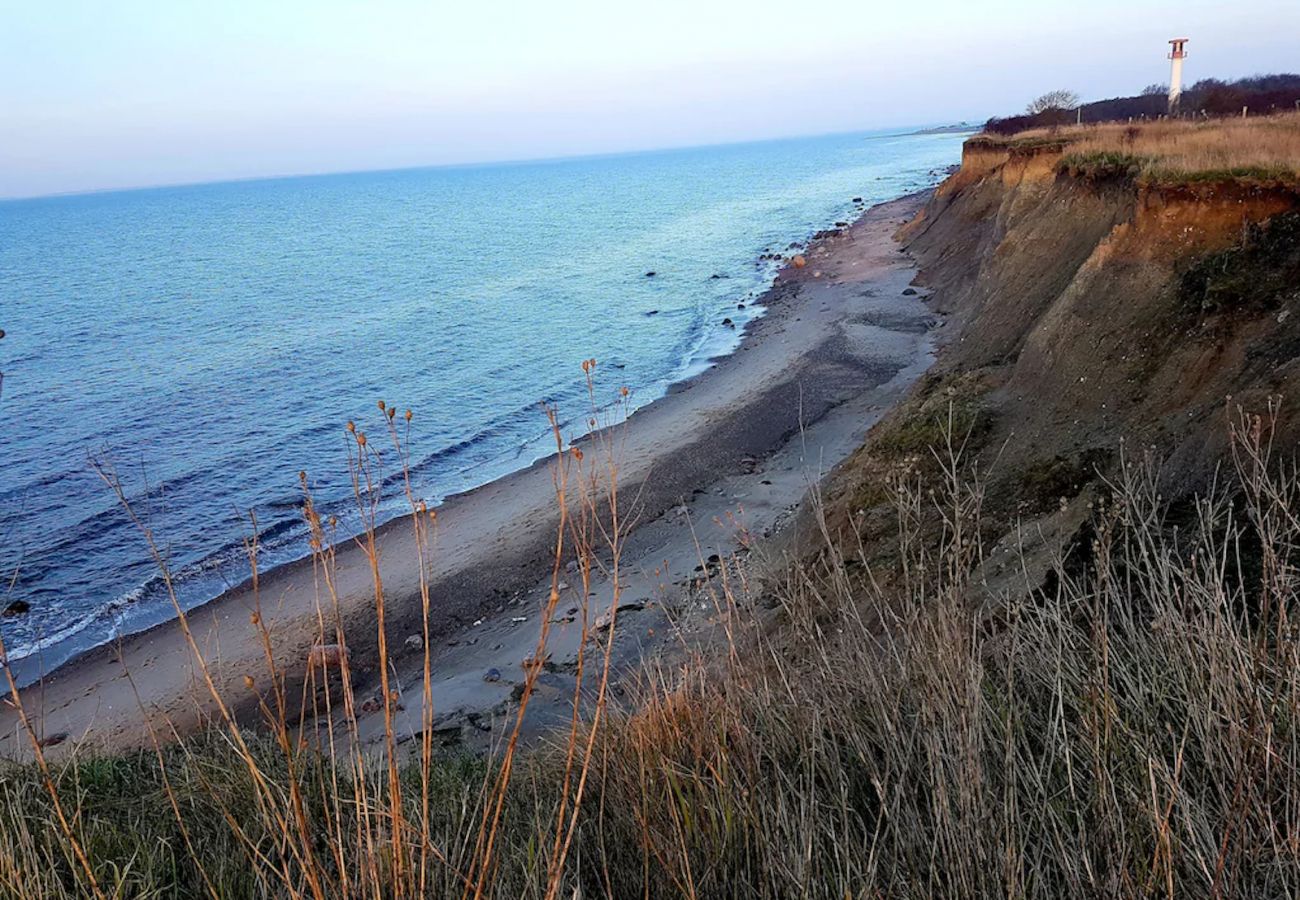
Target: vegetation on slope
[1127, 729]
[1258, 274]
[1261, 150]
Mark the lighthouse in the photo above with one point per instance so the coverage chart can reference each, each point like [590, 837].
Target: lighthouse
[1177, 51]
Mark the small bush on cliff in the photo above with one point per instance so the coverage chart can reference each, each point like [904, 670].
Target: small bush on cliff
[1102, 165]
[1260, 273]
[1048, 482]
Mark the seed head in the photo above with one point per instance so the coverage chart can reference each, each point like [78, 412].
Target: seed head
[408, 415]
[352, 426]
[381, 404]
[248, 682]
[361, 438]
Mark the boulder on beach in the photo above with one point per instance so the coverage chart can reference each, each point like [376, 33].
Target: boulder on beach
[798, 261]
[326, 655]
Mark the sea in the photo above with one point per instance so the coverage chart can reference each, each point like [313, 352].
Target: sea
[199, 346]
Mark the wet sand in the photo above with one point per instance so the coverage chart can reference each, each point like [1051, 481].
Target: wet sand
[716, 465]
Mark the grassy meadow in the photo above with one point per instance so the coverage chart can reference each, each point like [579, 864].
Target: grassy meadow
[1174, 151]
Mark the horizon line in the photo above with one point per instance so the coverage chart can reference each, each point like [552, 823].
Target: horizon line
[469, 164]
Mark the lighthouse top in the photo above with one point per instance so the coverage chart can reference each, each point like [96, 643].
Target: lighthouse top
[1176, 49]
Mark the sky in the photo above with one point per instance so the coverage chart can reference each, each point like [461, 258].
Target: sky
[102, 95]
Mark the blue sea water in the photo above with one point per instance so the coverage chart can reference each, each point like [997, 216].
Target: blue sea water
[211, 341]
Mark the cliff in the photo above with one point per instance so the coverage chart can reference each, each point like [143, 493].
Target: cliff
[1090, 314]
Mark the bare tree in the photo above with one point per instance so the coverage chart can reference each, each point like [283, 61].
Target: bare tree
[1155, 90]
[1052, 100]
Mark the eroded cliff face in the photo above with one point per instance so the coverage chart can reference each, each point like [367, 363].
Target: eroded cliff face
[1094, 310]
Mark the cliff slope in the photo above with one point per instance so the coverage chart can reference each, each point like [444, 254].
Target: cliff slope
[1094, 309]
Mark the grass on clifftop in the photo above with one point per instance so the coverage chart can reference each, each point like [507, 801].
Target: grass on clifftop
[1126, 726]
[1263, 149]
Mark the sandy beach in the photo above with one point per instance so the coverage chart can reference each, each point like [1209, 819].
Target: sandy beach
[724, 459]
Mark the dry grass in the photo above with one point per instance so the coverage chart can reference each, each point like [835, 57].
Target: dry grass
[1126, 728]
[1263, 148]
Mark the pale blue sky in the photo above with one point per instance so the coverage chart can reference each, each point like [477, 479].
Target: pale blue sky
[101, 94]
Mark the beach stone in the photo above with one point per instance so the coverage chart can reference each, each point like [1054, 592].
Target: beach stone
[604, 619]
[16, 608]
[531, 662]
[798, 261]
[326, 655]
[909, 292]
[492, 675]
[415, 642]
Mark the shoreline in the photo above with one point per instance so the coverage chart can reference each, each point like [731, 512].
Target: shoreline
[493, 541]
[29, 668]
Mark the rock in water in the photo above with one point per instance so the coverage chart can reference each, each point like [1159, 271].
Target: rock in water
[16, 608]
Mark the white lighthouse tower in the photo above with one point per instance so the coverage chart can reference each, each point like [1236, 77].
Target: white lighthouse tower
[1177, 51]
